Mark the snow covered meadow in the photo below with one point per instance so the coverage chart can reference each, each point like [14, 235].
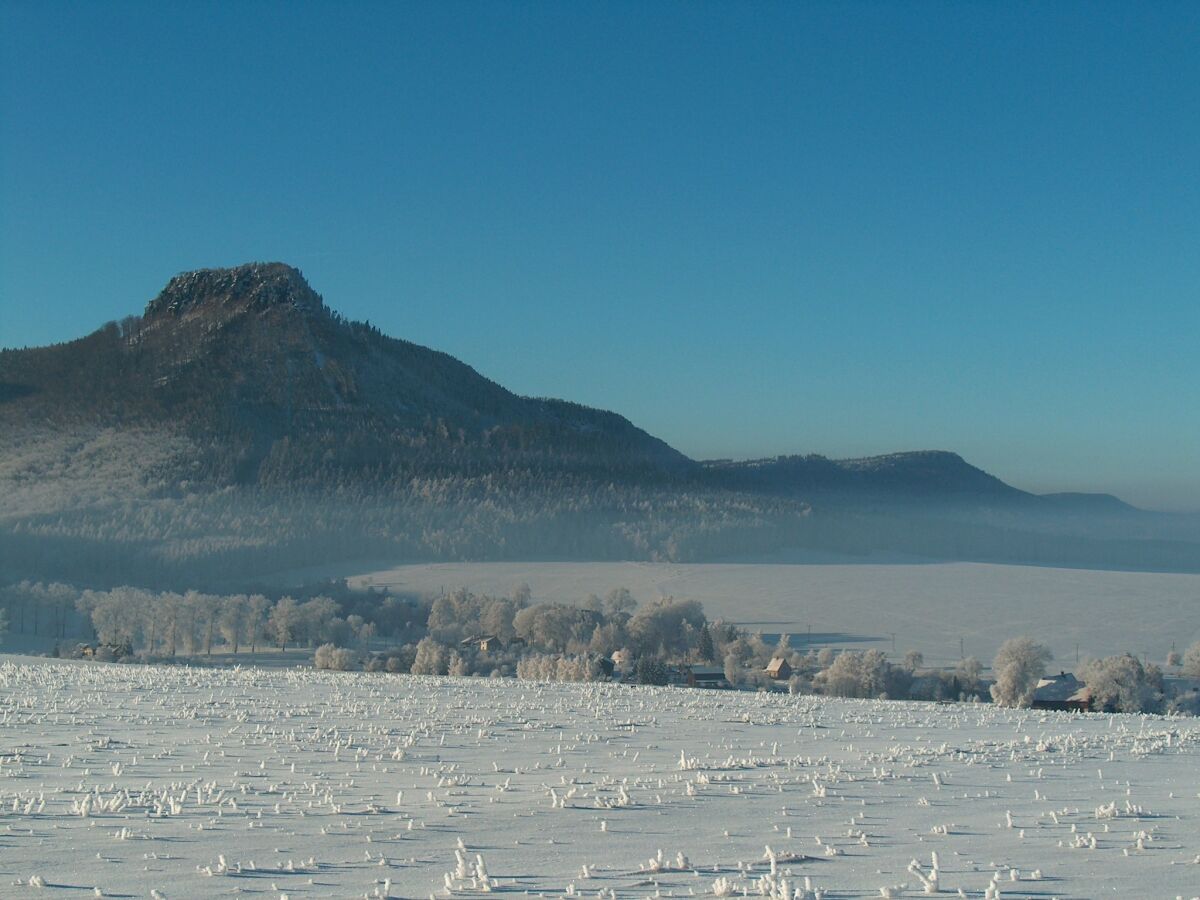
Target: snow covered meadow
[142, 781]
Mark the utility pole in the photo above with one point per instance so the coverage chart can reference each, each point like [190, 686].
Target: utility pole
[893, 634]
[961, 655]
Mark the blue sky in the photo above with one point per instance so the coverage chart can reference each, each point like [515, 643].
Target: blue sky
[751, 228]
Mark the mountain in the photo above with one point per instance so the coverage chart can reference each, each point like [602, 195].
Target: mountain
[239, 426]
[250, 363]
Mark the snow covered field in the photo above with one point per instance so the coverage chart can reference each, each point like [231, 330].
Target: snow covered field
[928, 607]
[217, 782]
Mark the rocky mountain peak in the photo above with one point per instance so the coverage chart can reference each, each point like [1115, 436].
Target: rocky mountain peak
[254, 286]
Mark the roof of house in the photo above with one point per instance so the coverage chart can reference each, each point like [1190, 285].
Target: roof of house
[777, 664]
[1061, 688]
[707, 672]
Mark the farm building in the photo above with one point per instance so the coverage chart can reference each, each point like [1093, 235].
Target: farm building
[706, 677]
[778, 669]
[623, 661]
[1062, 691]
[485, 643]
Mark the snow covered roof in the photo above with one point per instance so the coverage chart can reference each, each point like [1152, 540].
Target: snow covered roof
[1060, 688]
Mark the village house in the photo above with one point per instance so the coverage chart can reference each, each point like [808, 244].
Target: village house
[778, 669]
[1062, 691]
[623, 661]
[485, 643]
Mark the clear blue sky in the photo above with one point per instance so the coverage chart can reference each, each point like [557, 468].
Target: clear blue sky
[752, 228]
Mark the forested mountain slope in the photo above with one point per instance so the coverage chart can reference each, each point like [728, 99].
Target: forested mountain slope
[278, 388]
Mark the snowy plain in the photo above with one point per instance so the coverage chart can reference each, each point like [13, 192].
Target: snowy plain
[937, 608]
[145, 781]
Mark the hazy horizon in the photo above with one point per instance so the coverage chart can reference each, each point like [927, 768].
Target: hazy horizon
[839, 229]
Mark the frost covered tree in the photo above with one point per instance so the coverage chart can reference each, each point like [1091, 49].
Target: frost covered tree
[1122, 684]
[458, 665]
[1191, 661]
[208, 608]
[283, 621]
[619, 600]
[337, 659]
[1019, 665]
[171, 606]
[231, 620]
[553, 626]
[431, 658]
[593, 603]
[968, 672]
[315, 619]
[661, 623]
[733, 669]
[497, 616]
[256, 619]
[864, 674]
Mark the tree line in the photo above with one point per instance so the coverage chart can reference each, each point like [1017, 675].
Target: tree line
[463, 633]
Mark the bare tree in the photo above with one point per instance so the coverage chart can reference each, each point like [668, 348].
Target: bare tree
[256, 619]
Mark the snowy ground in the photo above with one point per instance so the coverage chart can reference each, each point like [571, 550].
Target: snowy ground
[213, 782]
[927, 607]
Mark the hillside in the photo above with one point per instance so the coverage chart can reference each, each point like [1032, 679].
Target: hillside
[240, 426]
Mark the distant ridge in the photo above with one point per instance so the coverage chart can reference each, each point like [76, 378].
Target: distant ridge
[926, 476]
[1098, 503]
